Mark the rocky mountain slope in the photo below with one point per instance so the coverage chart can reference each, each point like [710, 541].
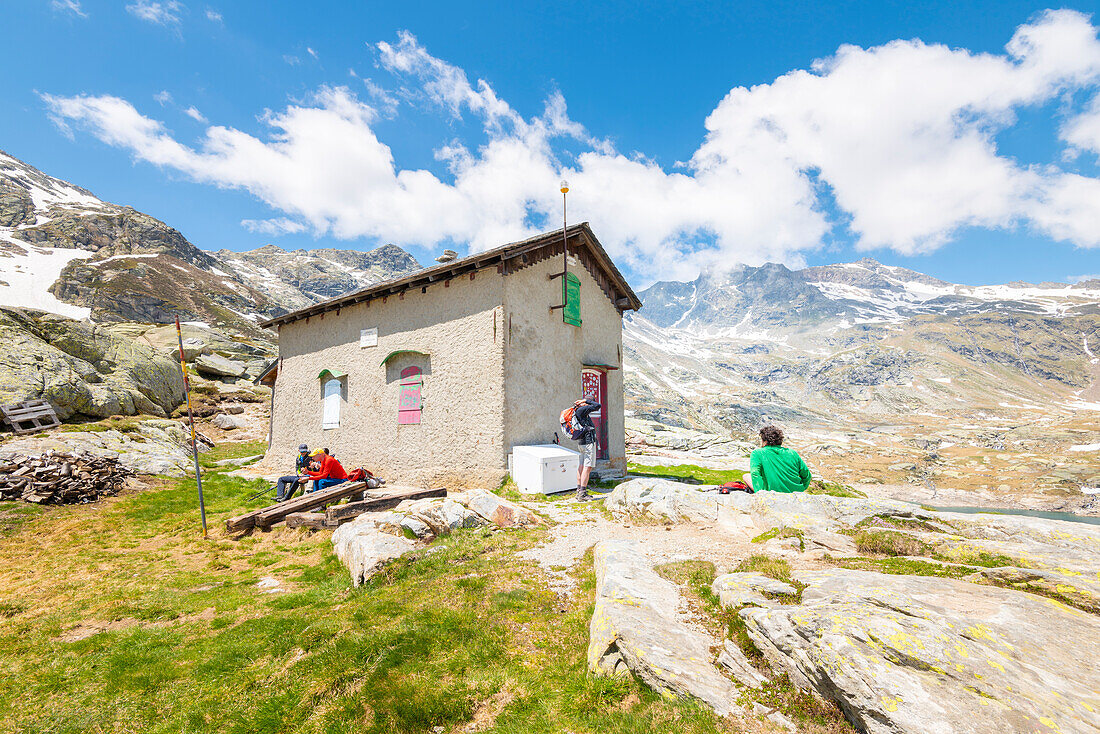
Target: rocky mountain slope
[302, 277]
[881, 373]
[66, 251]
[862, 339]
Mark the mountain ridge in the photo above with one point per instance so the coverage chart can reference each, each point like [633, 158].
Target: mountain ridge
[68, 252]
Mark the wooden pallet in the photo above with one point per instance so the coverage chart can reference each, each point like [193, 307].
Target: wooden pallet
[29, 417]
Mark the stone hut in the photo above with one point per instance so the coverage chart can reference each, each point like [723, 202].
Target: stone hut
[433, 377]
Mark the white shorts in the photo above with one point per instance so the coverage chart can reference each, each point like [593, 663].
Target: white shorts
[588, 455]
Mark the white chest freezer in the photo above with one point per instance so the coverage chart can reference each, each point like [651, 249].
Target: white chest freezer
[544, 469]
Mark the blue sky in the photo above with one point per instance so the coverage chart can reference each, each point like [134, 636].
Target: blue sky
[949, 155]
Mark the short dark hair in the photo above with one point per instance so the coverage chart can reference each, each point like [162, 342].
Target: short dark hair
[771, 436]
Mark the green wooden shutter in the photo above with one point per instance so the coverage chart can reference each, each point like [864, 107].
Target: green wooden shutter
[571, 295]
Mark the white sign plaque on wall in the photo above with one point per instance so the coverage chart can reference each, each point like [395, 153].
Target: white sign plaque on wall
[368, 338]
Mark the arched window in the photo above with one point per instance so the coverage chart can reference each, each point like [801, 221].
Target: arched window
[408, 401]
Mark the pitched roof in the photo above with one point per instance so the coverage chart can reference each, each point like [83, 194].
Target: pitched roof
[579, 235]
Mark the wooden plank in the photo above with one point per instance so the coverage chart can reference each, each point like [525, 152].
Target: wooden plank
[311, 501]
[315, 520]
[298, 504]
[339, 513]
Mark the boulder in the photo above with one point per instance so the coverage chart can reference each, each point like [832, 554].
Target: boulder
[635, 629]
[417, 527]
[192, 348]
[227, 422]
[737, 589]
[664, 500]
[446, 515]
[215, 364]
[364, 548]
[916, 654]
[500, 511]
[82, 368]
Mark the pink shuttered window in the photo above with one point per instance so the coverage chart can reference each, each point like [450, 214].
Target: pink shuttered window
[408, 402]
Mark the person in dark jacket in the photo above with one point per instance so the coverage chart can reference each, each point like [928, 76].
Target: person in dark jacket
[587, 443]
[286, 486]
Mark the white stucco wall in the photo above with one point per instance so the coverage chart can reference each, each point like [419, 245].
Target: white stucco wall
[544, 356]
[460, 440]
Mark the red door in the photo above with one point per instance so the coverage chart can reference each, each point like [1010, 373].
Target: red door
[594, 386]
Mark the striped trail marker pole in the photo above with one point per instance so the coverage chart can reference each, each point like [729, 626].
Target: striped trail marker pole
[191, 420]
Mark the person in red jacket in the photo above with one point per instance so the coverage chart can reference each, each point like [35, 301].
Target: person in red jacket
[330, 473]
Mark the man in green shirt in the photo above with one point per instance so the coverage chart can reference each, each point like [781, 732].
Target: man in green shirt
[774, 468]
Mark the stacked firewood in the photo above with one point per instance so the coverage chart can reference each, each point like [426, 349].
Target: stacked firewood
[57, 478]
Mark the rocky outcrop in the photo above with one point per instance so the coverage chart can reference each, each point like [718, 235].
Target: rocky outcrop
[83, 369]
[1006, 648]
[920, 654]
[213, 364]
[635, 629]
[148, 447]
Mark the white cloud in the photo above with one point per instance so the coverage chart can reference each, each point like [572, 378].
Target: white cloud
[277, 226]
[161, 13]
[900, 136]
[292, 60]
[1082, 278]
[163, 97]
[68, 6]
[311, 52]
[195, 115]
[213, 15]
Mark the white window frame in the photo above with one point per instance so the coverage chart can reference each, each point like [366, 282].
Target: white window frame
[330, 403]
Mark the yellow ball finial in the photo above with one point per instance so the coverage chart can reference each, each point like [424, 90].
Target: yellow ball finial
[564, 186]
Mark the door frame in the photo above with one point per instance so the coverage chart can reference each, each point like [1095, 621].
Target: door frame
[602, 443]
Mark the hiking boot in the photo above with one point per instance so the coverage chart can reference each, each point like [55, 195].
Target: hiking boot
[582, 494]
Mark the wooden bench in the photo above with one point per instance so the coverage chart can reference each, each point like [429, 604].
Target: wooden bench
[30, 416]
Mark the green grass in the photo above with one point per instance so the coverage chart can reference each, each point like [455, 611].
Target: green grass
[688, 473]
[14, 513]
[900, 523]
[903, 567]
[696, 576]
[123, 424]
[818, 486]
[974, 557]
[238, 450]
[767, 535]
[776, 568]
[189, 643]
[889, 543]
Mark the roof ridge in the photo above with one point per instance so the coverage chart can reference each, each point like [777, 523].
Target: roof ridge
[434, 272]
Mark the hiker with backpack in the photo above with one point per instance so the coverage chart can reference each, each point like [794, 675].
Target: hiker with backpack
[301, 465]
[774, 468]
[576, 422]
[329, 472]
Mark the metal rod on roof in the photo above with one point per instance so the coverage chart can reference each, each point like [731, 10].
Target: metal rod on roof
[564, 274]
[564, 247]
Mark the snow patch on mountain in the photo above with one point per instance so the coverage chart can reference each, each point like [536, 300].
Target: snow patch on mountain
[27, 272]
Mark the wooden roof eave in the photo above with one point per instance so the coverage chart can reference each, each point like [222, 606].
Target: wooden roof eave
[446, 271]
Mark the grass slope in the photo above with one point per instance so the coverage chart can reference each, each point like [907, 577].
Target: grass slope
[119, 617]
